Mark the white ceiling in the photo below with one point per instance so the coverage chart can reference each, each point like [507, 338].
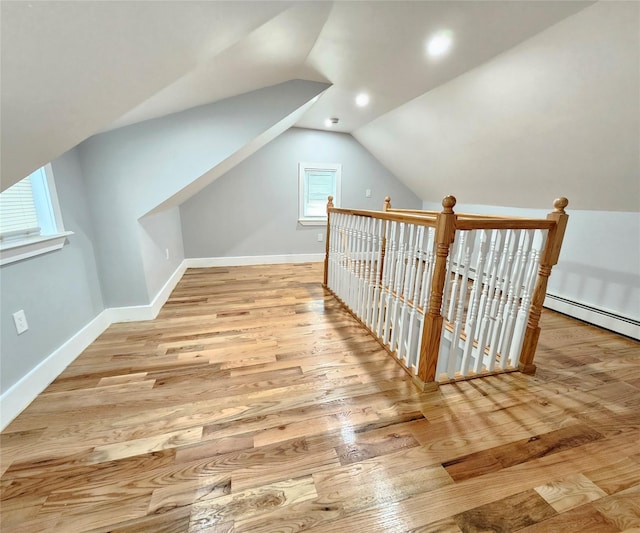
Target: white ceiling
[379, 48]
[69, 69]
[73, 69]
[559, 114]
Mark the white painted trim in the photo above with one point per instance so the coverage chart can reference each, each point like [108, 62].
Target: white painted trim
[336, 193]
[593, 315]
[204, 262]
[15, 399]
[136, 313]
[10, 252]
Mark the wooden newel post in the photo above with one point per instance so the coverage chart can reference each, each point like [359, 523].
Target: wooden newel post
[548, 258]
[326, 245]
[445, 233]
[383, 242]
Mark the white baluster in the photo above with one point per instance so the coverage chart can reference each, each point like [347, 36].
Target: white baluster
[342, 257]
[366, 271]
[364, 256]
[425, 289]
[375, 273]
[337, 250]
[408, 268]
[353, 279]
[474, 302]
[467, 238]
[515, 290]
[523, 312]
[484, 317]
[357, 292]
[416, 274]
[384, 288]
[389, 315]
[397, 287]
[455, 274]
[347, 259]
[499, 299]
[352, 246]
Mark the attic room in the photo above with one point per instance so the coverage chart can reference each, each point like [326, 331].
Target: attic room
[171, 136]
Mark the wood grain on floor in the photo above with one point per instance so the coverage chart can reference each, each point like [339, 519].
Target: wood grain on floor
[253, 402]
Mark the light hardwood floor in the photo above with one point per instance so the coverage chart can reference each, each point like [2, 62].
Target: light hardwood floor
[255, 403]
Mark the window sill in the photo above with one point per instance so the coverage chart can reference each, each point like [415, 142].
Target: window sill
[312, 222]
[10, 252]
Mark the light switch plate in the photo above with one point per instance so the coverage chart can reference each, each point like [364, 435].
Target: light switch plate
[20, 320]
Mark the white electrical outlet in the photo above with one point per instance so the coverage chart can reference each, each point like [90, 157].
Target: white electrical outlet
[367, 193]
[320, 237]
[20, 320]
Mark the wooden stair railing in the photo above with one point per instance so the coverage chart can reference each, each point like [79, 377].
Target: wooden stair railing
[450, 296]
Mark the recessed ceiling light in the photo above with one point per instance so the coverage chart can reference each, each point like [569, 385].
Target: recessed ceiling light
[439, 44]
[331, 122]
[362, 100]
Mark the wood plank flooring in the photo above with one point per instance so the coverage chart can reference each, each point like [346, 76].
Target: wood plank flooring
[255, 403]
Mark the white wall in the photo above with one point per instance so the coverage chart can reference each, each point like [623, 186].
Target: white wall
[599, 265]
[557, 115]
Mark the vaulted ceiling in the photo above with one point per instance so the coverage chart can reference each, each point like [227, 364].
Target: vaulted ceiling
[74, 69]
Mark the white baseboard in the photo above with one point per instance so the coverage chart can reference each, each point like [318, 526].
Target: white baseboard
[593, 315]
[204, 262]
[135, 313]
[22, 393]
[15, 399]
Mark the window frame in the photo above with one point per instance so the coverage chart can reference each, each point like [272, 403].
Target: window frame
[46, 199]
[303, 167]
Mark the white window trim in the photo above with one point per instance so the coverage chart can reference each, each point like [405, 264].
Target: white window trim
[25, 248]
[12, 250]
[302, 168]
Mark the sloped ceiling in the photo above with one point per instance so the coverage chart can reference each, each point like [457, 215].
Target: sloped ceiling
[69, 69]
[73, 69]
[557, 115]
[379, 48]
[272, 54]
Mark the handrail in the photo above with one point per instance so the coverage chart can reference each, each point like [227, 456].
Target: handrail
[414, 277]
[465, 221]
[520, 223]
[387, 215]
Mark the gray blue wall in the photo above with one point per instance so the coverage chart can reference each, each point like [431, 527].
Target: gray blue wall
[253, 208]
[131, 170]
[114, 259]
[59, 291]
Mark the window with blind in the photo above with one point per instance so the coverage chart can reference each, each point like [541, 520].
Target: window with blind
[30, 220]
[317, 181]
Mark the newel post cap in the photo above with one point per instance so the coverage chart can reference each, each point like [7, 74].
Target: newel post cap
[559, 204]
[448, 202]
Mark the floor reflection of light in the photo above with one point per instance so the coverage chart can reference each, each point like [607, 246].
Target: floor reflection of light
[348, 435]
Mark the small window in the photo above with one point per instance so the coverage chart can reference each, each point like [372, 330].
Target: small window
[30, 219]
[317, 181]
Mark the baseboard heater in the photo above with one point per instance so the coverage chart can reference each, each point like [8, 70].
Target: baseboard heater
[594, 315]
